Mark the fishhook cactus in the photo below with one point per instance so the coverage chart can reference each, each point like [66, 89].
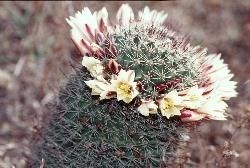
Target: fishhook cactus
[138, 83]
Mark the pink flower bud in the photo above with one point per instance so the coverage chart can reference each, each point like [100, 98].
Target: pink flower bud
[188, 116]
[113, 66]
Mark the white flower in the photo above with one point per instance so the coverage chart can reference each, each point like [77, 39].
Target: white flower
[170, 104]
[93, 65]
[100, 88]
[152, 17]
[194, 98]
[214, 108]
[124, 86]
[94, 36]
[85, 26]
[89, 30]
[125, 15]
[220, 87]
[147, 107]
[220, 77]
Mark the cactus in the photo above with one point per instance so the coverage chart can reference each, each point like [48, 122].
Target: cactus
[108, 112]
[85, 132]
[146, 50]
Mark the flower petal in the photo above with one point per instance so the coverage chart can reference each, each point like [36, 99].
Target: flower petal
[147, 107]
[152, 17]
[170, 104]
[124, 15]
[143, 109]
[124, 85]
[214, 108]
[93, 65]
[85, 25]
[194, 98]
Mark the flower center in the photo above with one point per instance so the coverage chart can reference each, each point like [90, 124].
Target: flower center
[95, 67]
[125, 89]
[168, 104]
[193, 97]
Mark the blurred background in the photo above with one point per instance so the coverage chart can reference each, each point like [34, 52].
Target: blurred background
[35, 59]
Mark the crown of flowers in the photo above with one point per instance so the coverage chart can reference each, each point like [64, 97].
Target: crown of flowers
[138, 57]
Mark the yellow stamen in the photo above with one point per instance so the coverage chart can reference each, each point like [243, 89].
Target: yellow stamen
[125, 89]
[168, 104]
[193, 97]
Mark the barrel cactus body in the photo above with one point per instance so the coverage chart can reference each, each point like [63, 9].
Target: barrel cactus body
[85, 132]
[139, 81]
